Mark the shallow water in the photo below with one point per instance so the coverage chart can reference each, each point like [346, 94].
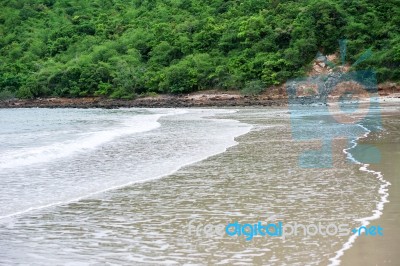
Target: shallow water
[383, 250]
[148, 222]
[54, 156]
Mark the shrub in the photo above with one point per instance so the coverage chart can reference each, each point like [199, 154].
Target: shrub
[122, 93]
[6, 95]
[254, 87]
[24, 93]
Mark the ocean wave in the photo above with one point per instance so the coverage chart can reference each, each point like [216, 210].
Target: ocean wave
[83, 143]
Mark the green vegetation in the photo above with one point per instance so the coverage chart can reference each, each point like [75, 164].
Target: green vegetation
[124, 48]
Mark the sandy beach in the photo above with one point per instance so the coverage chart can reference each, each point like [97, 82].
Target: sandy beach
[383, 250]
[125, 210]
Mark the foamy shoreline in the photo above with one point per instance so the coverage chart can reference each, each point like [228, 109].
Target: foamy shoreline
[346, 254]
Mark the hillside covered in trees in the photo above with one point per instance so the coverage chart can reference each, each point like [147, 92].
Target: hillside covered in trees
[124, 48]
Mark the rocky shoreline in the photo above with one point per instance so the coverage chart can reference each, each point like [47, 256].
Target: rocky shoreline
[273, 97]
[198, 100]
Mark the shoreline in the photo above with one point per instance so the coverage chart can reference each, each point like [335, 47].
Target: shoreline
[195, 186]
[376, 213]
[169, 101]
[198, 99]
[382, 250]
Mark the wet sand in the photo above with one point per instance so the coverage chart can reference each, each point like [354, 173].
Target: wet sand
[383, 250]
[148, 223]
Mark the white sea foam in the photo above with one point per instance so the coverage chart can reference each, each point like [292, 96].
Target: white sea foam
[383, 192]
[223, 140]
[86, 142]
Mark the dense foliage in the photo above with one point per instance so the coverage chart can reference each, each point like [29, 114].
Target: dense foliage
[122, 48]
